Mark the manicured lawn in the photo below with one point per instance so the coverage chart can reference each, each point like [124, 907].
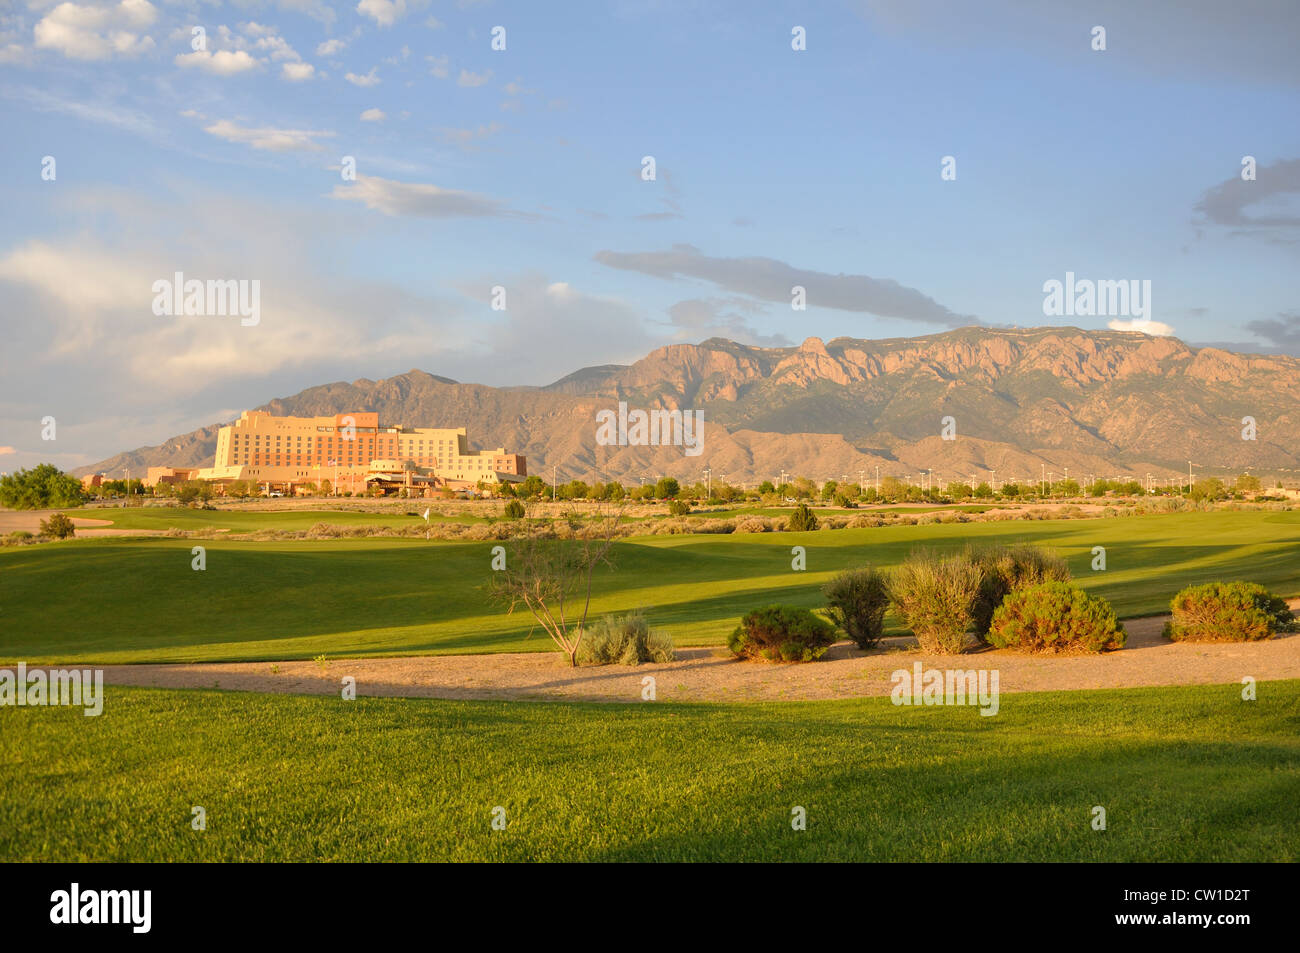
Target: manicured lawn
[250, 521]
[113, 600]
[1186, 774]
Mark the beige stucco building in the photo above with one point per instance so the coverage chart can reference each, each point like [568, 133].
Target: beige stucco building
[351, 451]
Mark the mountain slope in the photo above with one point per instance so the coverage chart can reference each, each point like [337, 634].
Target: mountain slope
[1097, 402]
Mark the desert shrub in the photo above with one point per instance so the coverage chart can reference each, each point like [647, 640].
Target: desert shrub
[514, 510]
[802, 519]
[1055, 617]
[935, 596]
[857, 600]
[752, 524]
[678, 507]
[623, 640]
[18, 537]
[58, 526]
[1006, 569]
[1227, 612]
[782, 634]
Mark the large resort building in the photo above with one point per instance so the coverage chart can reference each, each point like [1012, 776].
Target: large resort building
[354, 452]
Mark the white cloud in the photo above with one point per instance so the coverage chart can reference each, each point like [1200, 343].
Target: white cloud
[466, 78]
[298, 72]
[1154, 328]
[421, 200]
[331, 47]
[466, 137]
[222, 62]
[83, 32]
[383, 12]
[373, 115]
[268, 139]
[439, 66]
[369, 79]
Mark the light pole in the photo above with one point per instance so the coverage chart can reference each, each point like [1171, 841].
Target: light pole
[708, 476]
[862, 482]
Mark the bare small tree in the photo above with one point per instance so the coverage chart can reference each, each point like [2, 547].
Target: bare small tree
[552, 574]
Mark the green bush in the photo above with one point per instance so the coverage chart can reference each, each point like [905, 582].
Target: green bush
[935, 596]
[1227, 612]
[1055, 617]
[58, 526]
[623, 640]
[514, 510]
[42, 487]
[857, 600]
[678, 507]
[782, 633]
[1007, 569]
[802, 520]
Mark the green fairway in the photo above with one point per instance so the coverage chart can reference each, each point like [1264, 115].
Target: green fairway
[251, 521]
[113, 600]
[1184, 774]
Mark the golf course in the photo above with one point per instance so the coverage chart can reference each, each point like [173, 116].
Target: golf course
[116, 600]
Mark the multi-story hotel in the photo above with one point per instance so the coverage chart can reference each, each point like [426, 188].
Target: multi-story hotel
[351, 450]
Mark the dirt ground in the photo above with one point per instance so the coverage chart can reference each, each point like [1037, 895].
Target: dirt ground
[712, 675]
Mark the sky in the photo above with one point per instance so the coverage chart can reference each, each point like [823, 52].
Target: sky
[465, 187]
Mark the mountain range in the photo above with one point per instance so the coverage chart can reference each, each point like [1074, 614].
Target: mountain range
[1022, 401]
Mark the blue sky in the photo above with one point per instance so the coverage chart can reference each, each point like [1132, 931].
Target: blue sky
[521, 168]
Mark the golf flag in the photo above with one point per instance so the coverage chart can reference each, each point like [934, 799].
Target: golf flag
[426, 515]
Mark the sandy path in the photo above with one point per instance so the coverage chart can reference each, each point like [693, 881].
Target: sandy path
[30, 520]
[712, 675]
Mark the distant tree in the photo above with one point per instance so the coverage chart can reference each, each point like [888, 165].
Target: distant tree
[574, 490]
[667, 488]
[983, 491]
[1010, 490]
[1099, 488]
[892, 489]
[1211, 488]
[766, 487]
[644, 492]
[615, 491]
[1069, 487]
[829, 489]
[193, 491]
[43, 487]
[533, 486]
[804, 489]
[1246, 484]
